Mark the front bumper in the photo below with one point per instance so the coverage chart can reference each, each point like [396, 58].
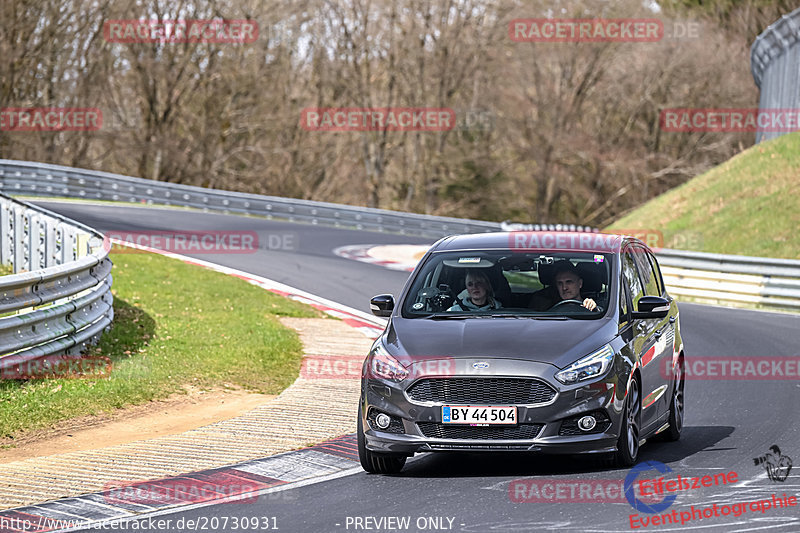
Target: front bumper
[379, 441]
[406, 436]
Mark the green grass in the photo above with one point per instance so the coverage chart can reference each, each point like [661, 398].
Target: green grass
[175, 325]
[749, 205]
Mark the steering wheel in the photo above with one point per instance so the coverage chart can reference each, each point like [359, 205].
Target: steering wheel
[597, 309]
[562, 302]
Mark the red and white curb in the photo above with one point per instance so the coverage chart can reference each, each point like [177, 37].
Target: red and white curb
[392, 256]
[239, 484]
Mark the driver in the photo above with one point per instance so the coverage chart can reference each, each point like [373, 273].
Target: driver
[480, 295]
[568, 282]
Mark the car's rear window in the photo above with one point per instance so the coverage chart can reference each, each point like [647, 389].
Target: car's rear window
[509, 282]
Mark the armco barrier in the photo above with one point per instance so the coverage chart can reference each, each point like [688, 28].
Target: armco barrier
[38, 179]
[716, 278]
[58, 299]
[732, 279]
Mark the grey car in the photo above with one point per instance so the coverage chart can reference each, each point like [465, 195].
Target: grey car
[526, 341]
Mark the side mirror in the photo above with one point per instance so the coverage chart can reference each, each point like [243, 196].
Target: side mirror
[651, 307]
[382, 305]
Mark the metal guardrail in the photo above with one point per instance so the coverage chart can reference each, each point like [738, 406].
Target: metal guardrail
[732, 279]
[38, 179]
[775, 64]
[60, 291]
[725, 279]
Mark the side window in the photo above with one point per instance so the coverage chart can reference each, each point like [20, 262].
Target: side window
[651, 287]
[631, 276]
[656, 273]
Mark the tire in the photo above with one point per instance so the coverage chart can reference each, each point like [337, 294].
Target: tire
[373, 462]
[676, 406]
[628, 442]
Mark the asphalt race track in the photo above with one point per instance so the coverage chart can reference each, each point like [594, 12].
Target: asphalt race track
[728, 423]
[309, 265]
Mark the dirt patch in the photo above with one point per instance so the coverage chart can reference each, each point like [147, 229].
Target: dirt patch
[176, 414]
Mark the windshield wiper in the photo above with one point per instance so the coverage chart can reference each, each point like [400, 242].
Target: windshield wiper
[448, 316]
[535, 317]
[451, 316]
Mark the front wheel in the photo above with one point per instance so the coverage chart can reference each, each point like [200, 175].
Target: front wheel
[673, 432]
[373, 462]
[628, 442]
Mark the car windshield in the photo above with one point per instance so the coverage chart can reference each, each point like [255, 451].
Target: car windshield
[556, 285]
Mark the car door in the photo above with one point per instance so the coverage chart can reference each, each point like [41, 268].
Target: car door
[665, 331]
[643, 335]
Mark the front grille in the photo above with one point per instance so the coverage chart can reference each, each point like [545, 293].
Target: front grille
[476, 391]
[435, 430]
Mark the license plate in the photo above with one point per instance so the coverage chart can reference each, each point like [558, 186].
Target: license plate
[479, 414]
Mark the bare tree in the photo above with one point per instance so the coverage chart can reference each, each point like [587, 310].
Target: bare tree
[574, 133]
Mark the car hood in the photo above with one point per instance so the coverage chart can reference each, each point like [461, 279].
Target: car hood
[557, 342]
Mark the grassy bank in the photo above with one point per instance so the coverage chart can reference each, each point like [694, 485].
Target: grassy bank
[175, 325]
[749, 205]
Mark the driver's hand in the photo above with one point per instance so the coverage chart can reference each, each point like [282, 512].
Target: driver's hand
[589, 304]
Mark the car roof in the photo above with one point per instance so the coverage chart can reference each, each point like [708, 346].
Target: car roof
[550, 241]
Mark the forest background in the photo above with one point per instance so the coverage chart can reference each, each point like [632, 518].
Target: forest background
[545, 132]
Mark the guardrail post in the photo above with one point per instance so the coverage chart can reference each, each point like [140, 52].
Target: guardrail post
[62, 245]
[69, 245]
[18, 240]
[37, 240]
[50, 247]
[5, 232]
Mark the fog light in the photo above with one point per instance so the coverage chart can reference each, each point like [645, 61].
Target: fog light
[587, 423]
[383, 421]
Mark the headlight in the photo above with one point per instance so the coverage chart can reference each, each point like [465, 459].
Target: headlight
[591, 366]
[384, 366]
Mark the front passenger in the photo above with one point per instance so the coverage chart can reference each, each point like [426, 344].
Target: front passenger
[480, 295]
